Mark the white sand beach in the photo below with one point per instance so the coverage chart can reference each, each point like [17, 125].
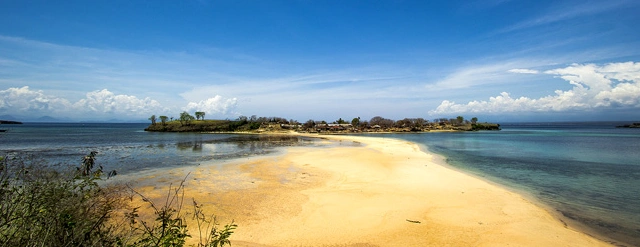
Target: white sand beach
[383, 192]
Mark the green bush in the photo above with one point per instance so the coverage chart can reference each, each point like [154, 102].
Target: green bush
[40, 206]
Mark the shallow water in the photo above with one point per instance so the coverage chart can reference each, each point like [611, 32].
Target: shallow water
[127, 148]
[588, 172]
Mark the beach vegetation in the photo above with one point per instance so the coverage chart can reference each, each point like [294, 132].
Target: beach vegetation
[42, 206]
[200, 115]
[186, 118]
[153, 119]
[356, 125]
[309, 124]
[355, 121]
[163, 120]
[382, 122]
[340, 121]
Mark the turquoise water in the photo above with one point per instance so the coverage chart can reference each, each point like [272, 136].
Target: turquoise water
[588, 172]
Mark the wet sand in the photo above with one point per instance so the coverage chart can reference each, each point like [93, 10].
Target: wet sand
[383, 192]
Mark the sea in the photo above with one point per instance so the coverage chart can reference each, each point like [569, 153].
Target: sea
[587, 173]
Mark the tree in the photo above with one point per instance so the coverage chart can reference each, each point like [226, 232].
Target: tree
[405, 123]
[376, 120]
[355, 121]
[460, 119]
[199, 115]
[185, 118]
[309, 124]
[153, 119]
[474, 120]
[382, 122]
[340, 121]
[420, 122]
[163, 119]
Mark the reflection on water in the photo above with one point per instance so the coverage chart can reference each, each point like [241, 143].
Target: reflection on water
[163, 152]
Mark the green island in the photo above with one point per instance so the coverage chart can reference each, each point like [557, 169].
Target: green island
[188, 123]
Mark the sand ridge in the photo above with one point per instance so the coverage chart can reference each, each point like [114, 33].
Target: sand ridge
[385, 192]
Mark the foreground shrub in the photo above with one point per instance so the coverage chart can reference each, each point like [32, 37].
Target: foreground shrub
[40, 206]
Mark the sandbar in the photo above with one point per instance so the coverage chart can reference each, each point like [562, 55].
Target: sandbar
[372, 192]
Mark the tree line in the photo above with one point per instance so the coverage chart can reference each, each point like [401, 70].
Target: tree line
[185, 118]
[254, 122]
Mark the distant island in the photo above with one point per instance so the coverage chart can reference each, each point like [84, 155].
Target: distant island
[633, 125]
[9, 122]
[254, 124]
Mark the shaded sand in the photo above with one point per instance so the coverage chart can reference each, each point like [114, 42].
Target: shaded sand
[382, 193]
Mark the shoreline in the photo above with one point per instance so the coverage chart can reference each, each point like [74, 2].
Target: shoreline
[531, 198]
[385, 192]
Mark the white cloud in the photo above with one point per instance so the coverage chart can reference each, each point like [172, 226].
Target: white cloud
[26, 101]
[523, 71]
[216, 105]
[104, 101]
[100, 104]
[594, 87]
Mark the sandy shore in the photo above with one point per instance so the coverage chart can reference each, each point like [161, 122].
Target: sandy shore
[368, 192]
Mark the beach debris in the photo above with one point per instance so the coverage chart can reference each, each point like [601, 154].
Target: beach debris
[413, 221]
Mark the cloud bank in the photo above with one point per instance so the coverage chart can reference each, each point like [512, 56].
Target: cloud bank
[98, 105]
[24, 101]
[613, 85]
[215, 105]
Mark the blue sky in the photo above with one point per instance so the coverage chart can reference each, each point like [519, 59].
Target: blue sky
[499, 60]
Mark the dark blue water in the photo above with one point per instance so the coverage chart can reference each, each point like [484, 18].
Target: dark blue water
[128, 148]
[588, 172]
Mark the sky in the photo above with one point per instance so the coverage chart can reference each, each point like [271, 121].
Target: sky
[498, 60]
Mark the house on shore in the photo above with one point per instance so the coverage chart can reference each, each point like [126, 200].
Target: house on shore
[333, 127]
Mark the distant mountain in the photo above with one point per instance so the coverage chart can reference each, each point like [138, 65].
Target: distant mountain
[9, 118]
[46, 119]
